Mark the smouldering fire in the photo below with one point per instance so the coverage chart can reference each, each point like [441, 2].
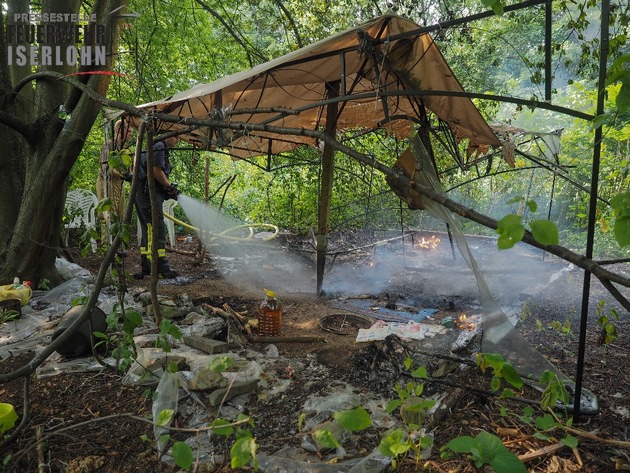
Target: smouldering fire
[464, 322]
[429, 243]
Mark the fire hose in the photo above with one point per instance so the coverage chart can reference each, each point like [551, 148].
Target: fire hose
[225, 233]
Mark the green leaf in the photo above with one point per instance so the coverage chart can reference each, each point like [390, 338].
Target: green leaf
[511, 376]
[620, 204]
[544, 231]
[183, 455]
[570, 441]
[599, 121]
[132, 320]
[242, 451]
[462, 444]
[545, 422]
[393, 405]
[496, 5]
[510, 230]
[221, 363]
[532, 206]
[420, 372]
[325, 439]
[623, 97]
[507, 462]
[222, 427]
[354, 419]
[495, 384]
[104, 205]
[621, 230]
[394, 444]
[165, 417]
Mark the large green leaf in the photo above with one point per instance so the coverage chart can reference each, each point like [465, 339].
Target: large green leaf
[511, 376]
[621, 204]
[511, 230]
[621, 229]
[242, 451]
[506, 462]
[354, 419]
[544, 231]
[461, 444]
[183, 455]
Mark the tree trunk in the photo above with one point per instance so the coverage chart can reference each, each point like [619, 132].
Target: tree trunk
[41, 146]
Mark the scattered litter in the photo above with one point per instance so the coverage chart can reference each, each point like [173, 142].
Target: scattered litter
[411, 330]
[371, 308]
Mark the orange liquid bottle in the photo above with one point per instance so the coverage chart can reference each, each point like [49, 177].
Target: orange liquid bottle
[269, 316]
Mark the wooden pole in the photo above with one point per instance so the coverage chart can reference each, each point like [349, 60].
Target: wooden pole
[325, 193]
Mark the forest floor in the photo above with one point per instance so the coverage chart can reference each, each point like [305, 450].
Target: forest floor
[92, 422]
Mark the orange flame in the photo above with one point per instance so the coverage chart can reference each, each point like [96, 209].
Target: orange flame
[463, 322]
[429, 243]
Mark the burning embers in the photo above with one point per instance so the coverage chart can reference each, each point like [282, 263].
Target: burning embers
[428, 243]
[466, 323]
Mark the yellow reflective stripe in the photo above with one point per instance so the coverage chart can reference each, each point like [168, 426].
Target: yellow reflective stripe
[161, 252]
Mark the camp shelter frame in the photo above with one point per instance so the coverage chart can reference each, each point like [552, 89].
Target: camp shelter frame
[261, 139]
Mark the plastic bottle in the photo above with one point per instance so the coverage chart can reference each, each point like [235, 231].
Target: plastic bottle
[269, 315]
[16, 282]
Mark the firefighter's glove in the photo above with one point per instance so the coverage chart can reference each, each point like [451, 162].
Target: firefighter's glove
[172, 192]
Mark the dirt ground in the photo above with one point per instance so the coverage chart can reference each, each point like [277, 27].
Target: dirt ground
[91, 422]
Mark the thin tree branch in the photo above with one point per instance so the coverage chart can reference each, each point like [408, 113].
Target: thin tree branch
[234, 35]
[292, 22]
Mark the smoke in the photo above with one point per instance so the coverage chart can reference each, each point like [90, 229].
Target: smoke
[247, 254]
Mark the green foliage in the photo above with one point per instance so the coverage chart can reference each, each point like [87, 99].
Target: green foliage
[325, 439]
[221, 363]
[621, 206]
[496, 5]
[511, 228]
[608, 332]
[167, 328]
[183, 455]
[243, 451]
[354, 419]
[413, 411]
[554, 392]
[395, 444]
[8, 315]
[486, 449]
[502, 370]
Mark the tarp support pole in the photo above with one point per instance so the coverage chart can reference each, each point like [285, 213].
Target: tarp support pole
[592, 215]
[325, 192]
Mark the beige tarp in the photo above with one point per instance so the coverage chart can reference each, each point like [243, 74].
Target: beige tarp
[381, 82]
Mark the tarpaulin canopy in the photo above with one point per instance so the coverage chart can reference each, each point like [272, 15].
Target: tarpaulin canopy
[379, 71]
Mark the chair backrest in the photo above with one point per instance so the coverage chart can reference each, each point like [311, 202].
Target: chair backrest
[81, 208]
[169, 206]
[169, 209]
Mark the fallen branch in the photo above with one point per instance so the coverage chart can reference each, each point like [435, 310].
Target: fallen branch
[232, 318]
[41, 458]
[541, 452]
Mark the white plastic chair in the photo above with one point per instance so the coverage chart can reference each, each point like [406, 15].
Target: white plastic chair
[81, 208]
[168, 208]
